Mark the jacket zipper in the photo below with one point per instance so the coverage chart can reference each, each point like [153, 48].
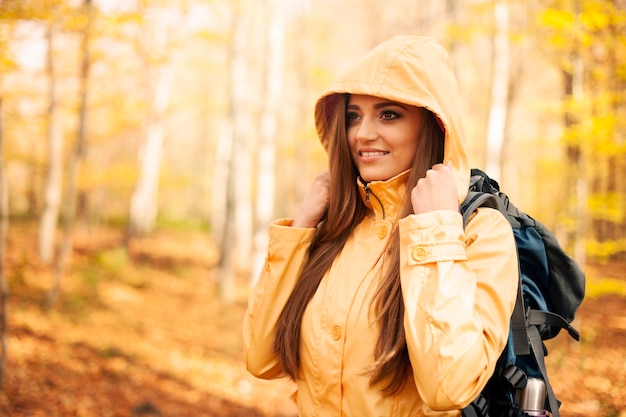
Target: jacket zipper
[368, 193]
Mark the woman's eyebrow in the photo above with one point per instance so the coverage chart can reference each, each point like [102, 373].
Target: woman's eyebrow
[379, 105]
[387, 104]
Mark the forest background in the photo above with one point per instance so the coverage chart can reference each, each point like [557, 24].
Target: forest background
[146, 145]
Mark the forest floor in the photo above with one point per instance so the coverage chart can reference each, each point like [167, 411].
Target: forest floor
[144, 334]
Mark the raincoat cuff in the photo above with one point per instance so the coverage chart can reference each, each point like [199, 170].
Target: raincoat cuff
[433, 237]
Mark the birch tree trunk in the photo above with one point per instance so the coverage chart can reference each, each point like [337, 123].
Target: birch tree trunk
[144, 201]
[219, 194]
[272, 94]
[143, 208]
[76, 159]
[298, 188]
[236, 247]
[54, 175]
[496, 126]
[4, 225]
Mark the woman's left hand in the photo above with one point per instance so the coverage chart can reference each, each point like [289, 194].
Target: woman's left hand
[436, 191]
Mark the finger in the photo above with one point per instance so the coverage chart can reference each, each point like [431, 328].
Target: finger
[440, 166]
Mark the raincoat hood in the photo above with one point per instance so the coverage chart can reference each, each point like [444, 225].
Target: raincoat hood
[412, 70]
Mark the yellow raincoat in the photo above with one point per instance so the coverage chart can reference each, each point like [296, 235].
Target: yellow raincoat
[459, 286]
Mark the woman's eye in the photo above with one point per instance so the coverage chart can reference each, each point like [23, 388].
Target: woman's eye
[351, 117]
[389, 115]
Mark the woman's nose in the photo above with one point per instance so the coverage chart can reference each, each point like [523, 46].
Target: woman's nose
[367, 130]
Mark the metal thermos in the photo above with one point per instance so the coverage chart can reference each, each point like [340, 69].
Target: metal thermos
[532, 398]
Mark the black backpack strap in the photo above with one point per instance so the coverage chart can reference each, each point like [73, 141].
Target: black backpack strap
[479, 199]
[537, 347]
[537, 318]
[473, 201]
[477, 408]
[519, 328]
[540, 318]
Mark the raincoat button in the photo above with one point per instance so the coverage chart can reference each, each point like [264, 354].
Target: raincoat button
[419, 253]
[336, 332]
[382, 232]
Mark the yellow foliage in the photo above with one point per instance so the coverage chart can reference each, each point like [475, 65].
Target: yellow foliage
[571, 30]
[594, 16]
[596, 287]
[602, 135]
[560, 20]
[598, 132]
[620, 71]
[604, 250]
[607, 206]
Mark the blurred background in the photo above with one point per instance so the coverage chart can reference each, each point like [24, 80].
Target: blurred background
[147, 144]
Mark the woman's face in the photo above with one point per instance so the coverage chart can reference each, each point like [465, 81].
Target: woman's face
[382, 136]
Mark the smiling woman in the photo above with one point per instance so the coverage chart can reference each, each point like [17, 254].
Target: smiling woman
[374, 299]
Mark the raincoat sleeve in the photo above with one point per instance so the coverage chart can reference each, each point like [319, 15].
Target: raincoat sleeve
[287, 251]
[459, 290]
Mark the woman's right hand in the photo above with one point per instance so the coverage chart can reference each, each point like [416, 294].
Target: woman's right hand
[436, 191]
[315, 203]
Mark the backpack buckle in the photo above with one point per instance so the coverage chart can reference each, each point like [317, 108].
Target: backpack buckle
[515, 376]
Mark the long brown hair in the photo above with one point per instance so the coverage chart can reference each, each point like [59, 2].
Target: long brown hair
[345, 212]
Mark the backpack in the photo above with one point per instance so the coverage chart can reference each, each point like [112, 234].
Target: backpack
[551, 287]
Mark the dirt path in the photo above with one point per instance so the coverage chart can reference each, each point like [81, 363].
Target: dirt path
[150, 338]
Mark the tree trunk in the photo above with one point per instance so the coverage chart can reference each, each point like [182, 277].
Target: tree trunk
[76, 159]
[616, 171]
[144, 201]
[219, 193]
[155, 51]
[303, 144]
[575, 176]
[235, 247]
[272, 94]
[4, 225]
[496, 126]
[54, 176]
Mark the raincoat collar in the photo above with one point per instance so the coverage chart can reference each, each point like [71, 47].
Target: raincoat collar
[385, 198]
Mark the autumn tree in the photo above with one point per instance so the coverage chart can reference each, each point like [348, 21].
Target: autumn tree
[76, 159]
[154, 46]
[9, 12]
[52, 191]
[498, 108]
[4, 217]
[273, 75]
[583, 39]
[235, 244]
[4, 225]
[603, 132]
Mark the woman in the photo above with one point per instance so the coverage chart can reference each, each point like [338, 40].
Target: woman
[374, 299]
